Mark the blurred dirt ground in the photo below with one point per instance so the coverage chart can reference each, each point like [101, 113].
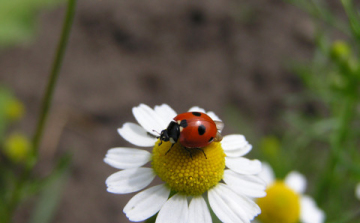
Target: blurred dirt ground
[213, 54]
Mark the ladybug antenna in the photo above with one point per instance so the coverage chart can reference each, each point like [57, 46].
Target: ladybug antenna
[158, 136]
[157, 133]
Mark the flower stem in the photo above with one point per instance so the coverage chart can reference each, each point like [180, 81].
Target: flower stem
[54, 75]
[46, 102]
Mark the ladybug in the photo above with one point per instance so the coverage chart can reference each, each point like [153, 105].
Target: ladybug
[193, 130]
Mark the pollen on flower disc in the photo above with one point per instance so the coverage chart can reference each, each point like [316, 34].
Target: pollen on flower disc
[281, 204]
[190, 176]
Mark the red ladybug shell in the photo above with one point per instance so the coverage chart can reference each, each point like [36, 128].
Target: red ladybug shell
[200, 131]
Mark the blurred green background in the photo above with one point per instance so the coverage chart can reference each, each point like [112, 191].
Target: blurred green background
[283, 73]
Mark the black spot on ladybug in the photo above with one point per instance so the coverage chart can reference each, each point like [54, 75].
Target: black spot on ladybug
[201, 130]
[196, 113]
[183, 123]
[211, 139]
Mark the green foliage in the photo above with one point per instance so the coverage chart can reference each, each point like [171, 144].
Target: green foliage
[322, 136]
[51, 189]
[18, 155]
[18, 19]
[15, 159]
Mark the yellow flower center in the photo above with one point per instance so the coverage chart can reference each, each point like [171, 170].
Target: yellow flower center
[190, 175]
[281, 204]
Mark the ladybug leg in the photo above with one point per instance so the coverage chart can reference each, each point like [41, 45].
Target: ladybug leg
[201, 151]
[189, 151]
[169, 149]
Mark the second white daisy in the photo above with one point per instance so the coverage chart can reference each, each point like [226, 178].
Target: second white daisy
[285, 201]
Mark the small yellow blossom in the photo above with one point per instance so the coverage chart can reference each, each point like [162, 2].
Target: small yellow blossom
[17, 147]
[14, 110]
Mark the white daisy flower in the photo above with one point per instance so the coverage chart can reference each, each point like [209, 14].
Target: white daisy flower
[285, 201]
[193, 181]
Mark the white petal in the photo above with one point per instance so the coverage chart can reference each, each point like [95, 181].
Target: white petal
[310, 213]
[129, 180]
[146, 203]
[235, 145]
[249, 185]
[197, 109]
[175, 210]
[126, 158]
[136, 135]
[165, 112]
[243, 165]
[296, 181]
[357, 191]
[198, 211]
[148, 118]
[213, 116]
[267, 174]
[238, 152]
[231, 207]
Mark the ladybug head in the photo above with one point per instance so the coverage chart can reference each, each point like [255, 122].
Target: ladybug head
[171, 133]
[164, 136]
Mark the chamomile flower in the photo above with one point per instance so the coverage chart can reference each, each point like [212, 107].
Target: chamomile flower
[285, 201]
[190, 182]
